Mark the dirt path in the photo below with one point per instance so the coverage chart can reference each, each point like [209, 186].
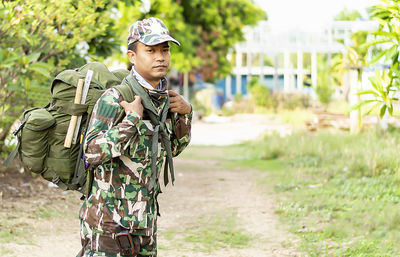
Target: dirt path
[215, 130]
[210, 190]
[204, 191]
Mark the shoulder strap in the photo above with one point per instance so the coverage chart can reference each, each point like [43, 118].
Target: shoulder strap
[159, 125]
[140, 91]
[126, 92]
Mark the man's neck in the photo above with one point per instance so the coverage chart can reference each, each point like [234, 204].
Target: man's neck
[154, 83]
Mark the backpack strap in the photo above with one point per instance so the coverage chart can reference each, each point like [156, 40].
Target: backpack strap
[159, 127]
[12, 155]
[126, 92]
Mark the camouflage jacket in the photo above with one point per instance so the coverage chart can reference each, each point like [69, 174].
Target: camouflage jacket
[121, 155]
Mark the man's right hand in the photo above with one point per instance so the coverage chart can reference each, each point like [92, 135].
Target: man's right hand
[135, 106]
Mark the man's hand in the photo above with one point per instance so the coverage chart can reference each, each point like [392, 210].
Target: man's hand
[135, 106]
[178, 104]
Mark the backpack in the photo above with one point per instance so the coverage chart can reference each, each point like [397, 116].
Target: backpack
[42, 131]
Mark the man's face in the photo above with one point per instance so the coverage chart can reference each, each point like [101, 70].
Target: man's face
[151, 62]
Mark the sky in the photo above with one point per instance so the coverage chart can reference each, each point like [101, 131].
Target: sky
[289, 14]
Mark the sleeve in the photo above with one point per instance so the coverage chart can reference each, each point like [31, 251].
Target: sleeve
[180, 137]
[105, 140]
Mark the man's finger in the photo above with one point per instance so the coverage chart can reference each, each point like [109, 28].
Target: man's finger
[172, 93]
[173, 105]
[123, 103]
[173, 110]
[138, 98]
[173, 99]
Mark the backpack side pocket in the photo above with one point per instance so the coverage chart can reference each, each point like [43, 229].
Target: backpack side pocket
[34, 139]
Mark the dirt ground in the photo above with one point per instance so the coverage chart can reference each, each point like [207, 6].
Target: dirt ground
[202, 188]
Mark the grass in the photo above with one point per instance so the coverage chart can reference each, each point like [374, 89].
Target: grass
[296, 117]
[14, 230]
[21, 219]
[212, 232]
[339, 192]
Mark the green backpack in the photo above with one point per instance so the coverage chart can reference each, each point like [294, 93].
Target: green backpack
[42, 132]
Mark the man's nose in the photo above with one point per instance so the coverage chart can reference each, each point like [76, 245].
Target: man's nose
[159, 56]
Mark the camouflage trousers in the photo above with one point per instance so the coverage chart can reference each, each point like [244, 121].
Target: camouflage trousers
[98, 243]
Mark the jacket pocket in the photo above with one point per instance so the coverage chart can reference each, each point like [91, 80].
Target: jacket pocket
[131, 206]
[140, 146]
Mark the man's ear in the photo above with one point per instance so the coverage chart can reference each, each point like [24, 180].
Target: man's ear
[132, 56]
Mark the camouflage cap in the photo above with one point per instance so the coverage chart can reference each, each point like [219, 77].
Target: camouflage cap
[151, 31]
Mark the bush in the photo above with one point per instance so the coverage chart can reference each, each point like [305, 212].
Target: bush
[260, 94]
[293, 101]
[324, 93]
[263, 97]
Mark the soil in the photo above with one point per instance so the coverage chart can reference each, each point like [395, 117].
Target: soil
[202, 188]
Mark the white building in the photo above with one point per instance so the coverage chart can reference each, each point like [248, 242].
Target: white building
[262, 41]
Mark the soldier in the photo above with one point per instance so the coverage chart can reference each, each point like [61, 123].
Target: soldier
[119, 216]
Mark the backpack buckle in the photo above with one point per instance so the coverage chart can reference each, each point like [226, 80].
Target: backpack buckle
[55, 179]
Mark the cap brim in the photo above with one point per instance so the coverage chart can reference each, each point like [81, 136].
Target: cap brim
[156, 39]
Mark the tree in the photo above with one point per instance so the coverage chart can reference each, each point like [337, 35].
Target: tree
[207, 29]
[40, 38]
[356, 53]
[385, 83]
[347, 15]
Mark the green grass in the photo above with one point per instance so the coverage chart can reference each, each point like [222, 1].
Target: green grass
[12, 229]
[296, 117]
[5, 251]
[212, 232]
[340, 193]
[20, 220]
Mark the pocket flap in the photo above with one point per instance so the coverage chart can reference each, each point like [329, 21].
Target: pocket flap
[39, 119]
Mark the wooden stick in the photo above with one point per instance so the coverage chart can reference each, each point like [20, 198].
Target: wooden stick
[72, 122]
[85, 92]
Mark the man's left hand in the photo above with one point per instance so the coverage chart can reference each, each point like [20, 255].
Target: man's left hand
[178, 104]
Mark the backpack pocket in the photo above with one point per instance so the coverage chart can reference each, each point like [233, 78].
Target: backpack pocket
[61, 160]
[34, 143]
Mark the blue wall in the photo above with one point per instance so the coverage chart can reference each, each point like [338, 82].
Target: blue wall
[268, 82]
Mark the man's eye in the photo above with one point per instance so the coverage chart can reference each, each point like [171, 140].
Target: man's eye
[149, 50]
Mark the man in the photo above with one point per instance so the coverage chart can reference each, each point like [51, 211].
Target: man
[121, 210]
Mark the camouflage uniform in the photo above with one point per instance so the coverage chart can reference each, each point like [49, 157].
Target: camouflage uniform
[120, 194]
[120, 154]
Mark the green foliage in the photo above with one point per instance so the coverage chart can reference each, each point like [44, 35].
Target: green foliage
[40, 38]
[260, 94]
[266, 102]
[382, 93]
[387, 47]
[291, 101]
[206, 29]
[324, 88]
[324, 92]
[263, 100]
[347, 15]
[354, 58]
